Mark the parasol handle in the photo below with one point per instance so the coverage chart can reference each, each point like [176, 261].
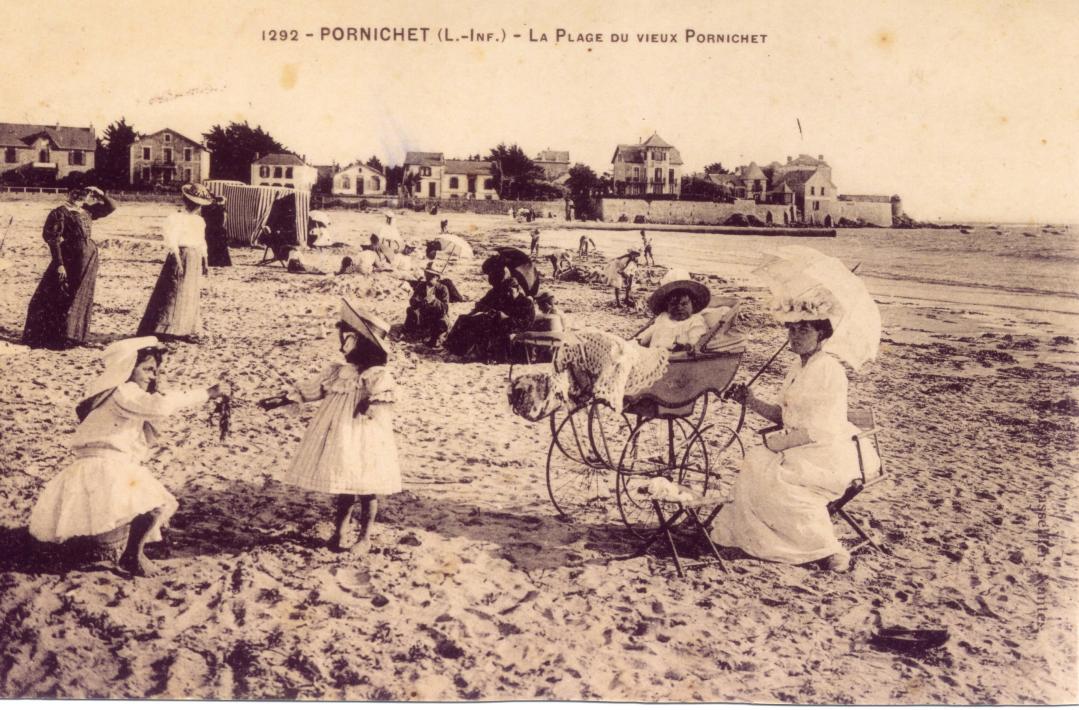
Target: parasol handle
[766, 365]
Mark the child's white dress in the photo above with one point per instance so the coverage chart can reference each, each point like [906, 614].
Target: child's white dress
[344, 452]
[106, 486]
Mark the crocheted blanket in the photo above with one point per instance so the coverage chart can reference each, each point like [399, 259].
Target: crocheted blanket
[600, 367]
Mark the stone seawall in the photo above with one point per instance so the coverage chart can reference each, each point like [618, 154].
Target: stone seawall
[686, 212]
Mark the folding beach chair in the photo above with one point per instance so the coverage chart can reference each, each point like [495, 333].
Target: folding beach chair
[864, 441]
[692, 511]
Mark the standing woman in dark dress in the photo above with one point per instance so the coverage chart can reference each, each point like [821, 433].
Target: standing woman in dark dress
[217, 239]
[59, 311]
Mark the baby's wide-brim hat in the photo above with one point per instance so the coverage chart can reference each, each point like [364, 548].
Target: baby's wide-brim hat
[365, 324]
[119, 359]
[674, 280]
[197, 194]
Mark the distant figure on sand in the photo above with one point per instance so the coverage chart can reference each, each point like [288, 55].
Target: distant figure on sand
[349, 449]
[534, 246]
[646, 243]
[217, 239]
[620, 274]
[427, 309]
[584, 245]
[173, 309]
[561, 262]
[107, 493]
[59, 312]
[443, 226]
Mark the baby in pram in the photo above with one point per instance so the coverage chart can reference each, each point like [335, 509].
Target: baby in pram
[591, 364]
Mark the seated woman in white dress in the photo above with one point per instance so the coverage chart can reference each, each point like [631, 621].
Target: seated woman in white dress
[107, 487]
[780, 499]
[677, 303]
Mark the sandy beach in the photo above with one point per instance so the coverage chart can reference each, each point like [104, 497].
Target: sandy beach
[474, 588]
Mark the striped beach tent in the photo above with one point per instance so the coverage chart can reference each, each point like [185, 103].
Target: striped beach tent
[249, 207]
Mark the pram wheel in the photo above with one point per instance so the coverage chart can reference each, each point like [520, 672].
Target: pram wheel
[671, 448]
[578, 479]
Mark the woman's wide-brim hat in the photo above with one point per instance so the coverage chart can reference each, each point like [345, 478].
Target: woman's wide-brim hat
[120, 359]
[365, 324]
[678, 279]
[197, 194]
[817, 303]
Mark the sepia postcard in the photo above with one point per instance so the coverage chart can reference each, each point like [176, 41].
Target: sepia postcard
[562, 351]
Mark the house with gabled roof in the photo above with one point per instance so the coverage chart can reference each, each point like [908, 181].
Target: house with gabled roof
[554, 163]
[167, 158]
[469, 179]
[810, 189]
[652, 167]
[53, 152]
[283, 170]
[433, 176]
[423, 173]
[359, 179]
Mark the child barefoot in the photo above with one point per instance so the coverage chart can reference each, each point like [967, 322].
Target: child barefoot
[107, 487]
[349, 449]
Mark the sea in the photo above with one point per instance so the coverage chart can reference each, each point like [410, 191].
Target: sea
[1024, 267]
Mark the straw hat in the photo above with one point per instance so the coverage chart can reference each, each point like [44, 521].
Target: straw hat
[120, 358]
[365, 324]
[674, 280]
[197, 194]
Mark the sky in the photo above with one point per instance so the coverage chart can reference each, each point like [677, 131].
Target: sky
[966, 109]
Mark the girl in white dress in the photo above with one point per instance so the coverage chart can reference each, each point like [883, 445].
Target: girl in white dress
[349, 449]
[173, 308]
[779, 510]
[107, 487]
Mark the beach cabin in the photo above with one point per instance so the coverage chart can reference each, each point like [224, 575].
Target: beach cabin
[250, 208]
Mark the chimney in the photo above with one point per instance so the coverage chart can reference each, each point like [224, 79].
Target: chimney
[820, 157]
[788, 160]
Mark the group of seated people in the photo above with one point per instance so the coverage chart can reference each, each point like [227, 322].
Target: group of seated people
[507, 308]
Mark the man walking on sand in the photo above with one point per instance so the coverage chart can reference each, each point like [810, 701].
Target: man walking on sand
[646, 242]
[535, 243]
